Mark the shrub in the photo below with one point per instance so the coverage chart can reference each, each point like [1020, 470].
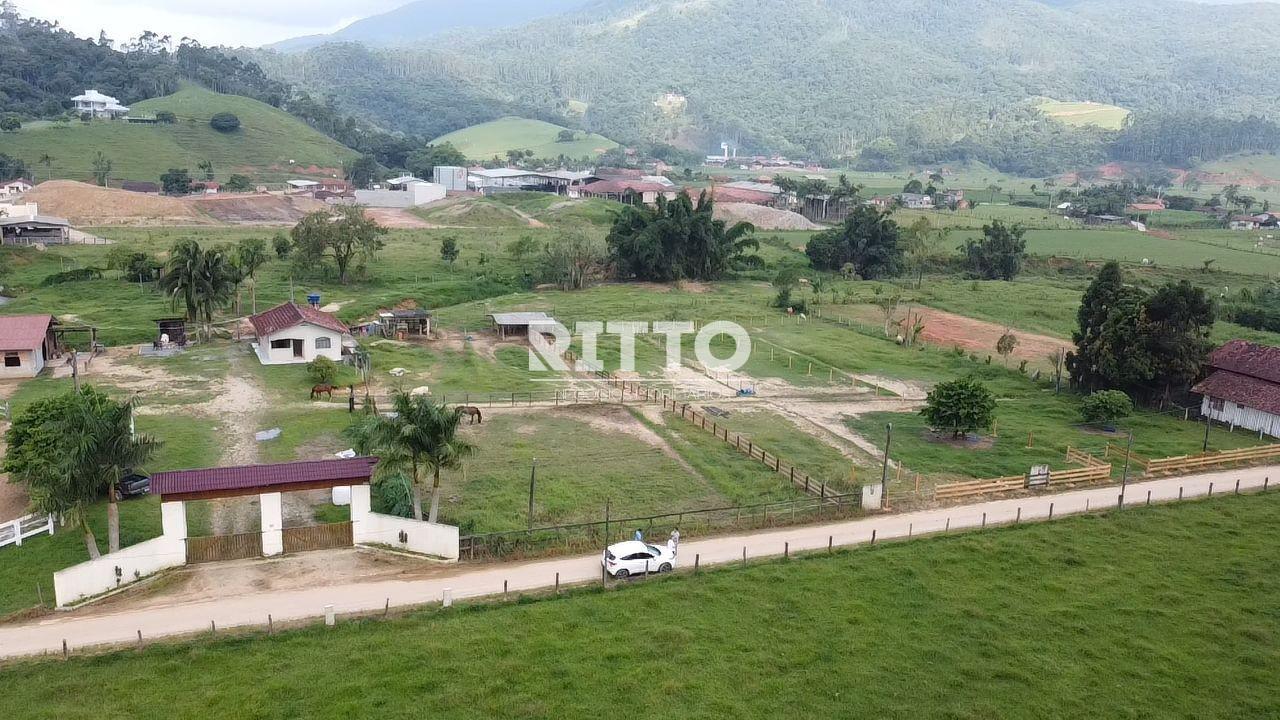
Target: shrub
[10, 123]
[1105, 407]
[960, 407]
[322, 370]
[166, 117]
[281, 245]
[224, 122]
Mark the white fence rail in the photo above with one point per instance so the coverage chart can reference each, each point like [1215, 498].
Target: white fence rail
[15, 531]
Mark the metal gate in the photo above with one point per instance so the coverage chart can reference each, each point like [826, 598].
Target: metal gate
[317, 537]
[224, 547]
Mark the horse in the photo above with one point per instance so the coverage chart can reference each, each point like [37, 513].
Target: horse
[327, 390]
[473, 412]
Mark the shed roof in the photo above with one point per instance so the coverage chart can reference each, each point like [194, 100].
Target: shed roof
[40, 221]
[522, 318]
[23, 332]
[288, 315]
[1247, 358]
[339, 471]
[1243, 390]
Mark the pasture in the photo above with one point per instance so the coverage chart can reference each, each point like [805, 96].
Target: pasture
[493, 139]
[1109, 117]
[1170, 604]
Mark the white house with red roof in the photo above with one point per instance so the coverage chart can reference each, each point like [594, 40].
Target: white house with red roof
[1243, 387]
[292, 333]
[26, 344]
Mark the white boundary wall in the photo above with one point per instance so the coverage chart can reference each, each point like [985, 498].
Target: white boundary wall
[368, 527]
[133, 563]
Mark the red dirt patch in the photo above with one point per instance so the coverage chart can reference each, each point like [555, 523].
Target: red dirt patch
[948, 330]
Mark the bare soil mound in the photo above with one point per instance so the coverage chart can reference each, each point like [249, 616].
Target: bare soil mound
[764, 218]
[256, 209]
[85, 204]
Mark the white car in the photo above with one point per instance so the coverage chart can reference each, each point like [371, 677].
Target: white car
[636, 558]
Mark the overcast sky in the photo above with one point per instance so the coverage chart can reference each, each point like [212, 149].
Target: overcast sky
[212, 22]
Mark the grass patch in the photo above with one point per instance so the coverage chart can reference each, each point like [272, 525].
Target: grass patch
[1170, 604]
[495, 138]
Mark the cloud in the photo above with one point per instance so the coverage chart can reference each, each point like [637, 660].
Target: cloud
[224, 22]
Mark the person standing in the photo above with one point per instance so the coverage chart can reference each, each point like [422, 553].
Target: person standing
[674, 542]
[639, 535]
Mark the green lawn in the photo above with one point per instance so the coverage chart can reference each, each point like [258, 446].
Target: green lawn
[495, 138]
[1101, 115]
[1158, 612]
[270, 145]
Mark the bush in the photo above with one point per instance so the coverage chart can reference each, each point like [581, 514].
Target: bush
[960, 407]
[1105, 407]
[10, 123]
[224, 122]
[322, 370]
[281, 245]
[77, 275]
[166, 117]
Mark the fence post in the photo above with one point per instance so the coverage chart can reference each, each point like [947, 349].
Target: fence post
[696, 558]
[1018, 519]
[1148, 497]
[786, 549]
[1210, 490]
[830, 541]
[744, 554]
[1237, 486]
[984, 519]
[1050, 511]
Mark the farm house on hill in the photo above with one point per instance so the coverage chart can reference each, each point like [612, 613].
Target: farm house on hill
[292, 333]
[27, 343]
[1244, 388]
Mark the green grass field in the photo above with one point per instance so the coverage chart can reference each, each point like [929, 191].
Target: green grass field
[495, 138]
[1154, 612]
[270, 145]
[1102, 115]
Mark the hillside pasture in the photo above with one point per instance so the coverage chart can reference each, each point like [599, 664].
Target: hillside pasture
[1077, 114]
[495, 138]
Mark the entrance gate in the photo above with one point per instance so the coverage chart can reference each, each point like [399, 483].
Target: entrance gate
[317, 537]
[224, 547]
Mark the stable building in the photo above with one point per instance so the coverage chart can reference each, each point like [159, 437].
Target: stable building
[1243, 387]
[289, 333]
[27, 344]
[520, 324]
[35, 230]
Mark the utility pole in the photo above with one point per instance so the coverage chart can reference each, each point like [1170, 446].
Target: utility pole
[1057, 374]
[533, 479]
[1208, 423]
[884, 468]
[1128, 451]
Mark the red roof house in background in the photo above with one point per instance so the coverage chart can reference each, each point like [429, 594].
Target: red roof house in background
[292, 333]
[1243, 389]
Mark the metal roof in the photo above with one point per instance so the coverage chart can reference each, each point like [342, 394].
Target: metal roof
[339, 471]
[23, 332]
[522, 318]
[46, 220]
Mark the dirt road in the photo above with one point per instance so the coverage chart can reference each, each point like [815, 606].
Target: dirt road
[81, 630]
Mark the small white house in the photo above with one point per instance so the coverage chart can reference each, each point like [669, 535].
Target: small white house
[26, 345]
[14, 187]
[99, 105]
[292, 333]
[411, 194]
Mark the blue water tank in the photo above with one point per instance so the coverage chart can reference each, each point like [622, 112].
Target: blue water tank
[314, 300]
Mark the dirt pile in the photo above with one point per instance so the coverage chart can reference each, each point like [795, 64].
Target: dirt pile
[256, 209]
[85, 204]
[764, 218]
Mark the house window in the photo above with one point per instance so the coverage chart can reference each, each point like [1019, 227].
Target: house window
[1217, 404]
[324, 343]
[12, 360]
[281, 344]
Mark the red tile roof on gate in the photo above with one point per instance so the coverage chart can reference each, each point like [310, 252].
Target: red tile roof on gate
[356, 470]
[287, 315]
[23, 332]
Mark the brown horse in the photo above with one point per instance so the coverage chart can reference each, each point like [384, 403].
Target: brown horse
[327, 390]
[473, 412]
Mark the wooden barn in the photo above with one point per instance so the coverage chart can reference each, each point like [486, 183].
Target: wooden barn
[1243, 387]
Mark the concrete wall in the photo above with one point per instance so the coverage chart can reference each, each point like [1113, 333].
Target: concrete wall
[117, 569]
[427, 538]
[415, 194]
[271, 507]
[32, 364]
[308, 334]
[1239, 416]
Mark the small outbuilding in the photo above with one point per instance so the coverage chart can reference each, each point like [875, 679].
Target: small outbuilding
[13, 187]
[520, 324]
[402, 323]
[35, 230]
[27, 343]
[289, 333]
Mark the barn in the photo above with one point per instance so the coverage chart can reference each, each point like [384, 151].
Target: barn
[1243, 387]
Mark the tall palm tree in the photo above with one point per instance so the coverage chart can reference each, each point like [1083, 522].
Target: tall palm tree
[102, 447]
[47, 161]
[200, 280]
[418, 435]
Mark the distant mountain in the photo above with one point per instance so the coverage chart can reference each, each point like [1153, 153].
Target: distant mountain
[425, 19]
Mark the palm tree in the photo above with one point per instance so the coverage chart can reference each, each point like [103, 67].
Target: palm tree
[103, 446]
[418, 435]
[47, 161]
[201, 280]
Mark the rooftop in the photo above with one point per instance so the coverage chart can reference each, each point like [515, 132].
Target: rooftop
[23, 332]
[288, 315]
[341, 471]
[522, 318]
[1247, 358]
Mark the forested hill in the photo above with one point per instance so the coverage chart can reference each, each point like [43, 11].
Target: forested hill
[824, 76]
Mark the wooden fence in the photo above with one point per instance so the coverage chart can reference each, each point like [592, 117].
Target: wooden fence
[969, 488]
[1115, 452]
[1212, 460]
[1079, 457]
[224, 547]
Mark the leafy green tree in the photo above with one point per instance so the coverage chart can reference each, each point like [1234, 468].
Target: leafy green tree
[868, 239]
[574, 259]
[206, 169]
[177, 181]
[999, 254]
[1176, 323]
[201, 281]
[419, 435]
[224, 122]
[1006, 344]
[449, 249]
[10, 123]
[1105, 407]
[101, 168]
[47, 161]
[678, 239]
[960, 407]
[785, 283]
[281, 245]
[522, 247]
[238, 183]
[362, 171]
[251, 254]
[166, 117]
[345, 235]
[913, 186]
[422, 163]
[322, 370]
